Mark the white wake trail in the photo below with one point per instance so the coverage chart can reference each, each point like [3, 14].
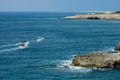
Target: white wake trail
[9, 50]
[9, 45]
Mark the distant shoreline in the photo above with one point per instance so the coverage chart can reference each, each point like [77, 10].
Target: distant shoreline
[97, 16]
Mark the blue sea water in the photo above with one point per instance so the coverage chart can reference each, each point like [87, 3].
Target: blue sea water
[50, 59]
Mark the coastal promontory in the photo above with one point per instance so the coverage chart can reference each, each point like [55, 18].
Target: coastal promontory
[97, 16]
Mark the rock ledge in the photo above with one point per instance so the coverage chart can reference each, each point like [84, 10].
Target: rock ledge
[97, 60]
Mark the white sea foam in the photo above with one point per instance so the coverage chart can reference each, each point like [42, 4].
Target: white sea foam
[80, 69]
[65, 64]
[108, 49]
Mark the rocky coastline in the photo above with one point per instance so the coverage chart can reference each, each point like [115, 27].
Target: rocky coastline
[97, 16]
[98, 59]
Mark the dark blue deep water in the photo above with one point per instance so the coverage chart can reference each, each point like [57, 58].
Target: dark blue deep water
[50, 59]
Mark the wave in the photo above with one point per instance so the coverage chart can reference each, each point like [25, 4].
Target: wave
[109, 49]
[65, 65]
[80, 69]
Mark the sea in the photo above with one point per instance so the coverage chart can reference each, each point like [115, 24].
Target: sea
[62, 39]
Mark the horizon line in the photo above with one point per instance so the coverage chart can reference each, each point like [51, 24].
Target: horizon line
[65, 11]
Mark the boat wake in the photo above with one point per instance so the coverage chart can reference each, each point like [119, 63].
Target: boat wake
[13, 47]
[20, 45]
[9, 45]
[9, 49]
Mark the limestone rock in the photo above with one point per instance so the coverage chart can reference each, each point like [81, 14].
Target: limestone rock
[97, 60]
[98, 16]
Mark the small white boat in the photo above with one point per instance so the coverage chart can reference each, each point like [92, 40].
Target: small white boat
[39, 39]
[24, 44]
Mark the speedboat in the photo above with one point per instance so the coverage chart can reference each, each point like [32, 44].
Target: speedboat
[39, 39]
[24, 44]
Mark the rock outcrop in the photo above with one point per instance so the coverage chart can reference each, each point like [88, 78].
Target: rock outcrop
[99, 16]
[117, 48]
[98, 59]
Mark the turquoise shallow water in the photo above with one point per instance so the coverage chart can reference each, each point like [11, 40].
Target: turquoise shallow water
[50, 59]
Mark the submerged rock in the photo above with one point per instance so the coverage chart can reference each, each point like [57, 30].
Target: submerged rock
[97, 60]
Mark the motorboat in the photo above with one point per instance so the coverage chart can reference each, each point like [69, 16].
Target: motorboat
[39, 39]
[23, 44]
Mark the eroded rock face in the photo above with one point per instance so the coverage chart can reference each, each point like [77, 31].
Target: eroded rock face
[97, 60]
